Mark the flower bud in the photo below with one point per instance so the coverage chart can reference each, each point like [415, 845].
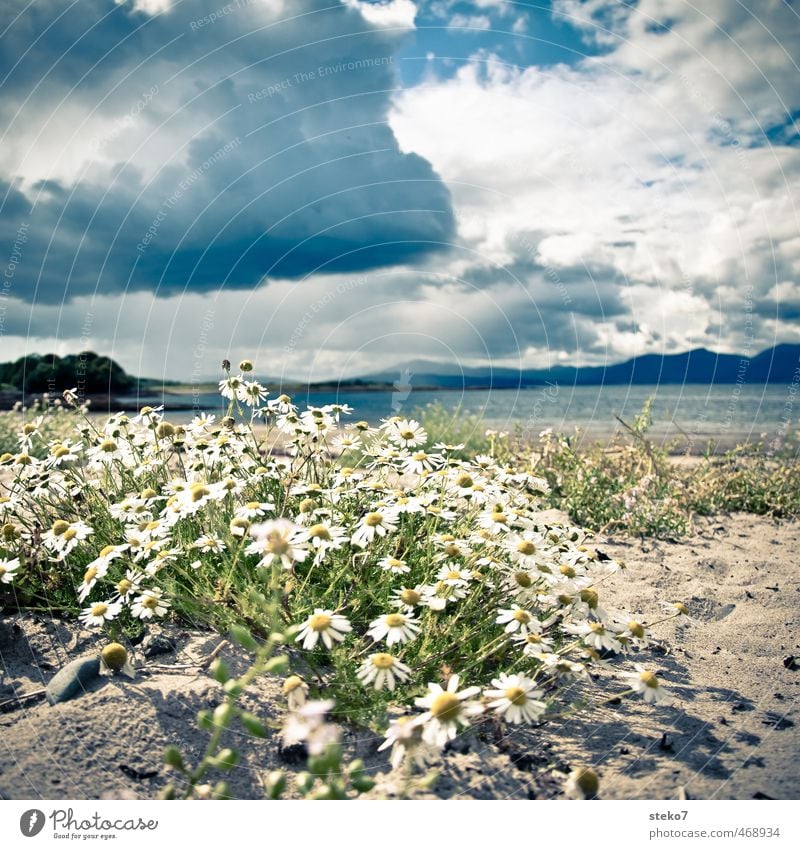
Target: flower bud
[114, 656]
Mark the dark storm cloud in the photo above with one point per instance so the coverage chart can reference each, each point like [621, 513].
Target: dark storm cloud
[211, 152]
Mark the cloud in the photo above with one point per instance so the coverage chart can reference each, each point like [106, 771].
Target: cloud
[644, 174]
[170, 147]
[478, 22]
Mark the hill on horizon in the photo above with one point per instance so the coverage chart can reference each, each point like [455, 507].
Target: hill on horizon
[778, 364]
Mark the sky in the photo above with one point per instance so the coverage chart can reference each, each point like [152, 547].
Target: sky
[336, 187]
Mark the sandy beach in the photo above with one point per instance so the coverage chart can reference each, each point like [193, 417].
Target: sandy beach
[731, 731]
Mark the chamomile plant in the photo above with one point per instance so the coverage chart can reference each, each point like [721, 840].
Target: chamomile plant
[413, 580]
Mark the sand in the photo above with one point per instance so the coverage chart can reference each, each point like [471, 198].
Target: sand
[731, 732]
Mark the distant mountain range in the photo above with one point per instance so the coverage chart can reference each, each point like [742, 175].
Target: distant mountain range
[775, 365]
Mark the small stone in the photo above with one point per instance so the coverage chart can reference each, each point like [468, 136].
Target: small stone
[73, 679]
[156, 644]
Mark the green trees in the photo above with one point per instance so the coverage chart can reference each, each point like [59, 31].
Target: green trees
[89, 372]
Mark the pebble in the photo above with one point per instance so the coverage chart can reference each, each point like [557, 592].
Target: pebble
[73, 679]
[156, 644]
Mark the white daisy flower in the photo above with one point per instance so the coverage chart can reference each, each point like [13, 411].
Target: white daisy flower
[208, 543]
[324, 538]
[420, 462]
[517, 619]
[453, 576]
[331, 627]
[149, 604]
[253, 509]
[8, 569]
[278, 540]
[95, 570]
[395, 566]
[404, 735]
[129, 585]
[446, 710]
[395, 628]
[308, 724]
[646, 683]
[597, 635]
[532, 644]
[252, 393]
[230, 387]
[296, 692]
[406, 432]
[515, 698]
[63, 536]
[98, 614]
[379, 523]
[407, 598]
[382, 670]
[437, 596]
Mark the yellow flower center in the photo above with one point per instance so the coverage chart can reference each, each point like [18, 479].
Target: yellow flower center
[292, 683]
[307, 505]
[522, 616]
[199, 492]
[70, 534]
[395, 620]
[382, 661]
[109, 549]
[526, 547]
[59, 526]
[371, 520]
[452, 575]
[150, 602]
[114, 656]
[636, 629]
[590, 597]
[277, 544]
[588, 782]
[523, 579]
[534, 639]
[124, 586]
[499, 518]
[394, 563]
[411, 597]
[108, 445]
[60, 451]
[516, 695]
[319, 531]
[320, 622]
[99, 609]
[2, 570]
[648, 679]
[406, 434]
[465, 481]
[568, 571]
[89, 575]
[446, 707]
